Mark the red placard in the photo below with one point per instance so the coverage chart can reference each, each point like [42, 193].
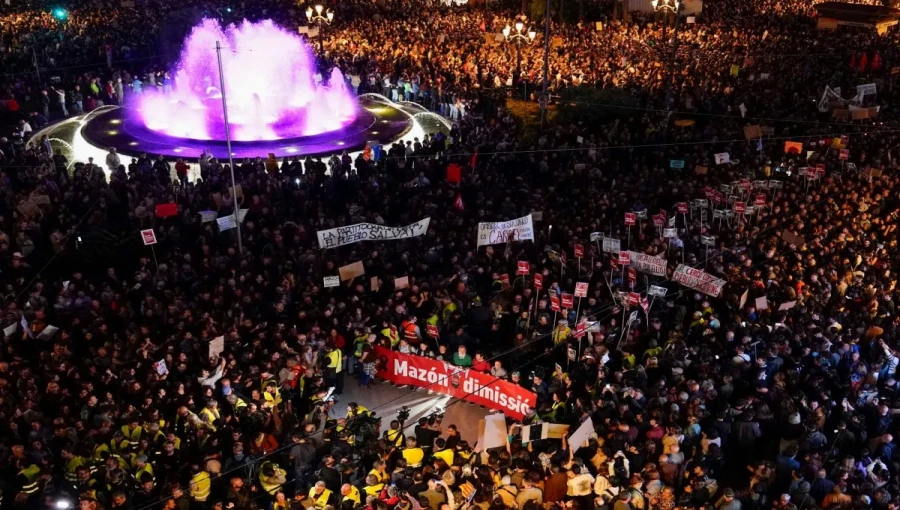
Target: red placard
[663, 214]
[579, 251]
[581, 289]
[504, 279]
[624, 258]
[166, 210]
[740, 207]
[682, 207]
[709, 192]
[568, 302]
[634, 298]
[820, 170]
[844, 154]
[523, 267]
[632, 274]
[719, 197]
[614, 263]
[760, 199]
[745, 183]
[580, 329]
[554, 303]
[454, 173]
[432, 330]
[629, 219]
[469, 385]
[149, 236]
[658, 220]
[538, 281]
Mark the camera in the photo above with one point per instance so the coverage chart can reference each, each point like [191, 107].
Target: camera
[403, 414]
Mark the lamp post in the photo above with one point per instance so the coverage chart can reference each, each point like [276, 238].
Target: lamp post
[664, 6]
[674, 6]
[315, 16]
[518, 38]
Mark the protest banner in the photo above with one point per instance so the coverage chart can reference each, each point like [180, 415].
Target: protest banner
[341, 236]
[698, 280]
[466, 384]
[331, 281]
[519, 229]
[647, 263]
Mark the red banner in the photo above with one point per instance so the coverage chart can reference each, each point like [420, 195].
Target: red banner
[467, 384]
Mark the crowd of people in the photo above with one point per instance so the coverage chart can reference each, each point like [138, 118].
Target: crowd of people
[779, 392]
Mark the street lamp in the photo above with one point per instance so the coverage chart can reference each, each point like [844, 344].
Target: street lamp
[320, 21]
[518, 38]
[663, 6]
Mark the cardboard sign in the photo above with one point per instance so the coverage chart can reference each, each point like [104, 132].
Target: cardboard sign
[554, 303]
[657, 291]
[682, 207]
[676, 163]
[216, 346]
[624, 258]
[351, 271]
[401, 283]
[740, 207]
[149, 236]
[581, 289]
[629, 219]
[432, 330]
[762, 303]
[579, 251]
[538, 281]
[568, 301]
[331, 281]
[786, 306]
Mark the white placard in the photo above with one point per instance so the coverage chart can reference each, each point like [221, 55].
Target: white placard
[657, 291]
[332, 281]
[48, 332]
[494, 431]
[611, 245]
[722, 158]
[866, 89]
[216, 346]
[581, 435]
[786, 306]
[9, 330]
[762, 303]
[519, 229]
[208, 216]
[670, 232]
[596, 236]
[226, 223]
[148, 236]
[342, 236]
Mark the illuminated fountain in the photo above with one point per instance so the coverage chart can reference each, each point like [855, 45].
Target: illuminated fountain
[270, 81]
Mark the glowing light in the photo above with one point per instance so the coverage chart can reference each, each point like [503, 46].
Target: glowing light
[115, 122]
[259, 109]
[341, 143]
[112, 132]
[60, 14]
[133, 144]
[291, 150]
[374, 132]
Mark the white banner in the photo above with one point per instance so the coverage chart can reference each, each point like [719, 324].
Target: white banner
[698, 280]
[648, 263]
[520, 229]
[334, 237]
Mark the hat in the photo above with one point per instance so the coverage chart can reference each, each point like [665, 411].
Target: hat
[728, 493]
[17, 255]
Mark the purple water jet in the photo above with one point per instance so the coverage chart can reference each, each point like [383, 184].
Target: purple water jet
[272, 89]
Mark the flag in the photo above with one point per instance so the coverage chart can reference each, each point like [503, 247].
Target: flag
[853, 61]
[722, 157]
[458, 203]
[743, 110]
[166, 210]
[454, 173]
[24, 323]
[474, 160]
[876, 61]
[759, 145]
[863, 62]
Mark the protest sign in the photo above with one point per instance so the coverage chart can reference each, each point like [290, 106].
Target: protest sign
[341, 236]
[629, 219]
[520, 229]
[744, 298]
[657, 291]
[793, 147]
[786, 306]
[844, 154]
[581, 289]
[647, 263]
[432, 330]
[523, 267]
[762, 303]
[633, 298]
[670, 233]
[698, 280]
[682, 207]
[351, 271]
[226, 223]
[624, 258]
[554, 304]
[538, 281]
[568, 301]
[166, 210]
[611, 245]
[581, 435]
[331, 281]
[148, 236]
[596, 236]
[579, 251]
[676, 163]
[722, 158]
[216, 346]
[208, 216]
[401, 283]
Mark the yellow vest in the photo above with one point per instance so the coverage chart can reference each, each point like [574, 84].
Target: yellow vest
[381, 476]
[445, 455]
[334, 361]
[146, 469]
[353, 496]
[271, 485]
[560, 334]
[32, 474]
[200, 485]
[394, 336]
[395, 437]
[73, 464]
[374, 490]
[413, 456]
[321, 500]
[132, 435]
[209, 416]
